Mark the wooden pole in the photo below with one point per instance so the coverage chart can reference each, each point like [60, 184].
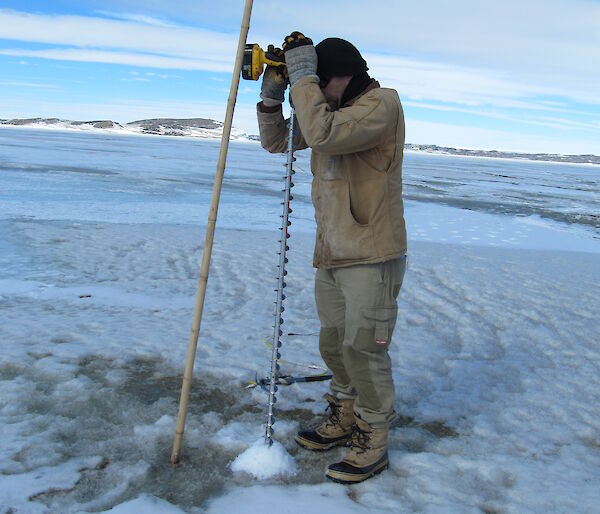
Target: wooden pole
[210, 233]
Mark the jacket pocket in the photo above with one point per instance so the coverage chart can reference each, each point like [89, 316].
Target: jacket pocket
[351, 210]
[346, 238]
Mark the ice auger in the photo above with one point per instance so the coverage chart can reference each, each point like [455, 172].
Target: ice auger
[255, 59]
[281, 285]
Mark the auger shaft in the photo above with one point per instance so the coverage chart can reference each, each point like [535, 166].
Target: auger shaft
[277, 332]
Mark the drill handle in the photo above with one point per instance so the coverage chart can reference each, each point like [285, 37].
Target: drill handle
[272, 56]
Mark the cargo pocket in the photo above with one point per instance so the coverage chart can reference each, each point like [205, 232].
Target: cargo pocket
[375, 329]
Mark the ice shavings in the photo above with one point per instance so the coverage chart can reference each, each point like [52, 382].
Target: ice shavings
[240, 435]
[146, 504]
[264, 461]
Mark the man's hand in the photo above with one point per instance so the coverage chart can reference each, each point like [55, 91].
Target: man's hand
[294, 40]
[274, 54]
[300, 56]
[274, 80]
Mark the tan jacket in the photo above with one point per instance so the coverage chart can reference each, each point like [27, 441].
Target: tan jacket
[356, 163]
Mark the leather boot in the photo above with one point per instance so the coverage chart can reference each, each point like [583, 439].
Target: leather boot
[367, 455]
[336, 430]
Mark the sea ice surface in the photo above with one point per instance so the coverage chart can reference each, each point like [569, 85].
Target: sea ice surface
[496, 356]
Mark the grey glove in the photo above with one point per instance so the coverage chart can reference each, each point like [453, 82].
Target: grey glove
[273, 86]
[300, 56]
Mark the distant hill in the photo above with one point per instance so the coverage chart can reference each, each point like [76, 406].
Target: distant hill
[175, 126]
[22, 122]
[582, 159]
[190, 127]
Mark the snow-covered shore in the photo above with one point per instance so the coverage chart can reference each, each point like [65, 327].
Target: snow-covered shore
[128, 129]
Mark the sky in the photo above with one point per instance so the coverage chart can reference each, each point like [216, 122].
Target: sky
[518, 75]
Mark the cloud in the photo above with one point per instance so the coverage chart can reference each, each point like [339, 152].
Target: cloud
[467, 85]
[160, 75]
[441, 82]
[141, 40]
[549, 44]
[481, 92]
[139, 18]
[36, 85]
[526, 34]
[102, 33]
[126, 58]
[563, 124]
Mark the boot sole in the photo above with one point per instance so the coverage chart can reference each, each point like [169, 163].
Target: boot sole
[320, 447]
[351, 478]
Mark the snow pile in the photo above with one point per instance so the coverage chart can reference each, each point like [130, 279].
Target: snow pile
[264, 461]
[146, 504]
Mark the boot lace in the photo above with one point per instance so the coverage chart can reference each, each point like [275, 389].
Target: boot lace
[359, 442]
[335, 414]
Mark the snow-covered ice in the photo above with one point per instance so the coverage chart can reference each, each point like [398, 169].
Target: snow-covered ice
[496, 350]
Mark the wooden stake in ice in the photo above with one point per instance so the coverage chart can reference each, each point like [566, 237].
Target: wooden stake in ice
[210, 233]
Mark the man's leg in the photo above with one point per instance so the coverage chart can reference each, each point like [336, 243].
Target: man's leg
[370, 292]
[331, 308]
[337, 428]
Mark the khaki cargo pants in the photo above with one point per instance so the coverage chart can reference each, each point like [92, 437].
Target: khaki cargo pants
[357, 308]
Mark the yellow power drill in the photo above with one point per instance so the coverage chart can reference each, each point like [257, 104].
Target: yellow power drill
[255, 59]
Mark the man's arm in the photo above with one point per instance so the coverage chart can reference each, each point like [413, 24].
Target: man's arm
[356, 128]
[274, 130]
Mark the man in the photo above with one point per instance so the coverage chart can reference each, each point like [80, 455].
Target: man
[356, 131]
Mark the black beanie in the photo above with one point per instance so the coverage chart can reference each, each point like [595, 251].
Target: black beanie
[338, 58]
